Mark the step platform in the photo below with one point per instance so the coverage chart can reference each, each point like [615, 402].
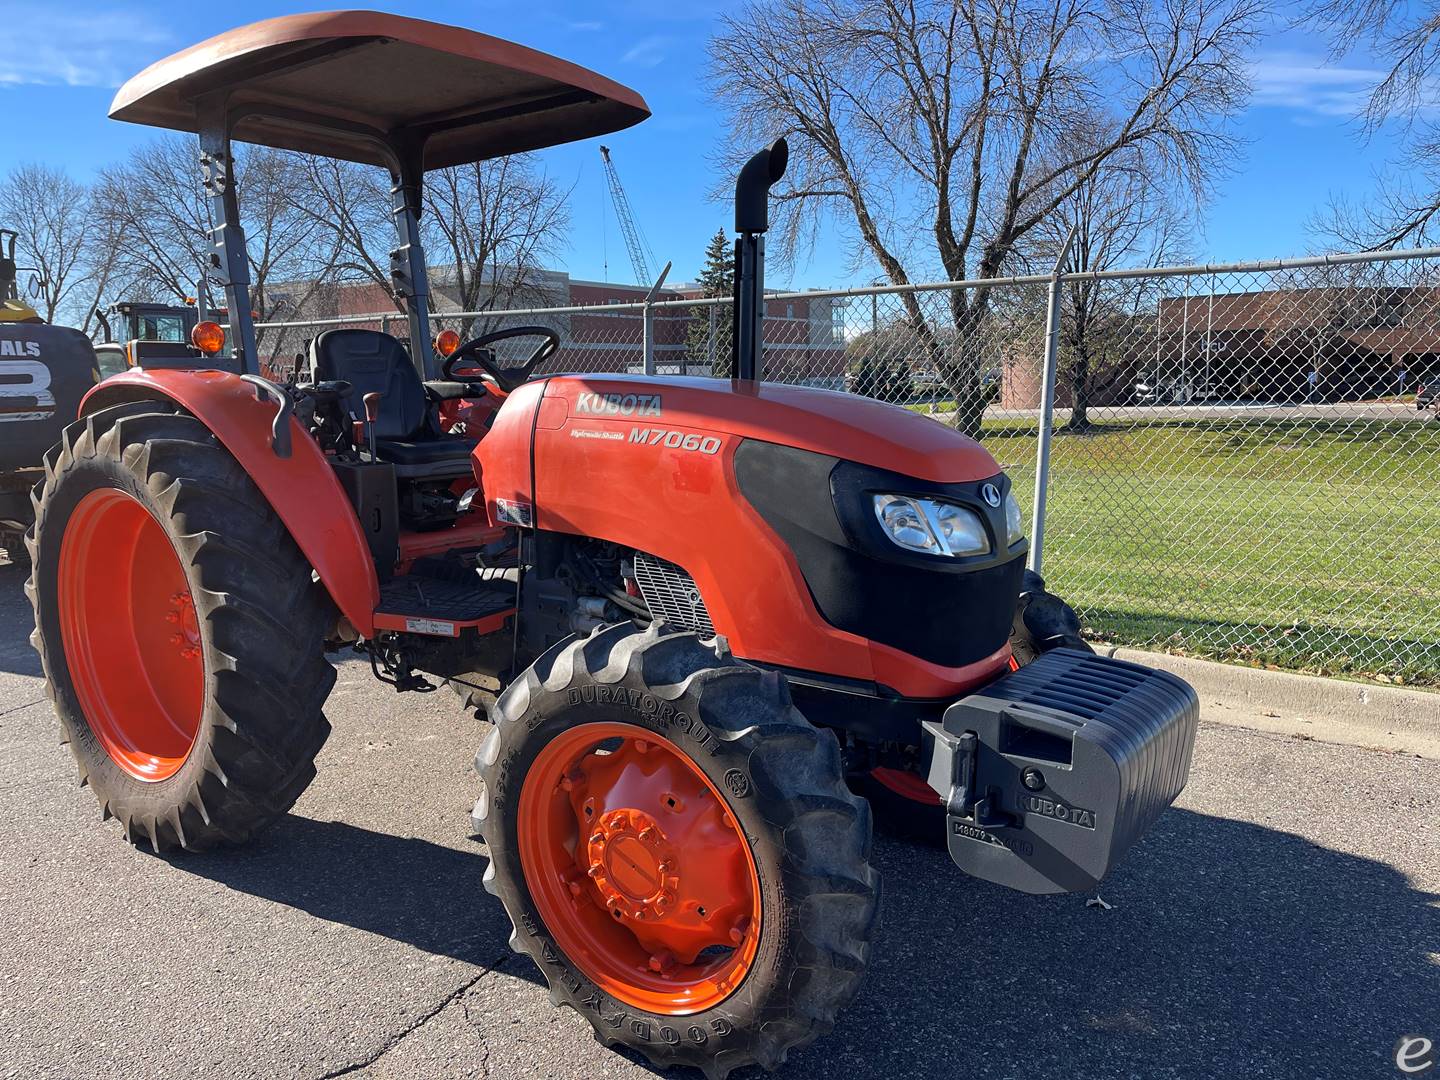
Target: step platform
[440, 607]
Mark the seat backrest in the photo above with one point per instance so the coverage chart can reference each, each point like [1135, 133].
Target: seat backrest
[371, 361]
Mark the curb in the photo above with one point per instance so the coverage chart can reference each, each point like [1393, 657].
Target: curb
[1309, 706]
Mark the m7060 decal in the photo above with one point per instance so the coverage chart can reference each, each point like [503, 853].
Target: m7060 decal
[676, 440]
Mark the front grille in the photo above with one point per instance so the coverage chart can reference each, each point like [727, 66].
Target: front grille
[671, 594]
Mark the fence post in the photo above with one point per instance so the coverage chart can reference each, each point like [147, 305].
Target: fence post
[710, 340]
[1047, 406]
[647, 322]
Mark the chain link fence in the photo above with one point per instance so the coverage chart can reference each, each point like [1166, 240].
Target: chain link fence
[1238, 467]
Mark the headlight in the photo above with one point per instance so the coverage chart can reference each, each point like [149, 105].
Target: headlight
[931, 527]
[1014, 523]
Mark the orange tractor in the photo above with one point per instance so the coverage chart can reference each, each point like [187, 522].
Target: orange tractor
[713, 610]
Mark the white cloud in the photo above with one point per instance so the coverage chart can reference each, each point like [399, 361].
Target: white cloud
[43, 46]
[1307, 84]
[647, 52]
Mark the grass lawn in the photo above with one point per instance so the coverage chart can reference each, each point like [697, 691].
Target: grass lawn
[1307, 545]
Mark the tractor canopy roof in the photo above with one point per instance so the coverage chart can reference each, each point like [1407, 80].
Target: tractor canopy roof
[356, 84]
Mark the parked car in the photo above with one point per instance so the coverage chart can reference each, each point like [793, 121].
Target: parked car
[1427, 394]
[1155, 393]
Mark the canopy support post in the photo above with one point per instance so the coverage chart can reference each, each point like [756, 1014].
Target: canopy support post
[228, 260]
[408, 274]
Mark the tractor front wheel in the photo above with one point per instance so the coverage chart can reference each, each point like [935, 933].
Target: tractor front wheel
[181, 634]
[677, 849]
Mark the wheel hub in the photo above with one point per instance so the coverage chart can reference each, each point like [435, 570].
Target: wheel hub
[639, 869]
[181, 615]
[633, 864]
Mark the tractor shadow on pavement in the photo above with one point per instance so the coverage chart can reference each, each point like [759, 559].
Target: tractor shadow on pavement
[16, 622]
[1229, 950]
[410, 890]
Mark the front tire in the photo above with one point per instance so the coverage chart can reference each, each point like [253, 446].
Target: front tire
[705, 787]
[180, 631]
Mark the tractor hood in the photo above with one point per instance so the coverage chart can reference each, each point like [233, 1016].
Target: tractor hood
[839, 425]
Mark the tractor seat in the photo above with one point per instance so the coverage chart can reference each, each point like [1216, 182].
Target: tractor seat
[426, 452]
[407, 432]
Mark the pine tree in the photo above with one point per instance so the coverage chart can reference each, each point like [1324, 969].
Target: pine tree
[717, 279]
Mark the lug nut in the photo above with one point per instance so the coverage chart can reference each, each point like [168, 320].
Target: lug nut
[642, 747]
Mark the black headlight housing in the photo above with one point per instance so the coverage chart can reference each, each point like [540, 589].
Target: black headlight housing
[948, 610]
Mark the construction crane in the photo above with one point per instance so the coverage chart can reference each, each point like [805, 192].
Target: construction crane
[634, 241]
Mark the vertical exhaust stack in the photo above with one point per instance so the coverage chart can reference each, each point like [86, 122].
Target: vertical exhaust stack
[752, 219]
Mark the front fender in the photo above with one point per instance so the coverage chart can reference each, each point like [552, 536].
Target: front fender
[302, 489]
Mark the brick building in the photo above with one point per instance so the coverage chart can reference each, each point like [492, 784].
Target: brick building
[804, 340]
[1353, 342]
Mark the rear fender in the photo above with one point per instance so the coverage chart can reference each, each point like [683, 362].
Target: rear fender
[302, 488]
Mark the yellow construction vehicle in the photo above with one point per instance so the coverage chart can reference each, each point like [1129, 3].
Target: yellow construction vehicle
[12, 308]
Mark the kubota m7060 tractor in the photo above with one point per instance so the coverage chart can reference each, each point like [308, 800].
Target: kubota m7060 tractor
[715, 608]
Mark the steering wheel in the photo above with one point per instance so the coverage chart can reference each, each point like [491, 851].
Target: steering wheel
[507, 378]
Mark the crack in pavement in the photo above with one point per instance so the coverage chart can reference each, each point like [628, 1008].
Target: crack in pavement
[484, 1063]
[16, 708]
[400, 1036]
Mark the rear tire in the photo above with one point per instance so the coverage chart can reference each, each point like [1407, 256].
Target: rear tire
[779, 784]
[241, 611]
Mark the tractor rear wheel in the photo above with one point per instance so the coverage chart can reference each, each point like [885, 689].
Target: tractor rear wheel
[677, 849]
[180, 631]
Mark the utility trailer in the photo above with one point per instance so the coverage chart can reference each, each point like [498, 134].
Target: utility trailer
[712, 610]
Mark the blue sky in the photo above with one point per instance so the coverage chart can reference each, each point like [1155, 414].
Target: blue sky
[61, 63]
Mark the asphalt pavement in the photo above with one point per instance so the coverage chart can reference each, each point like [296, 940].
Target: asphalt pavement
[1280, 921]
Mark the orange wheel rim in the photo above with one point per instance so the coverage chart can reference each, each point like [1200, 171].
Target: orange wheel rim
[130, 634]
[639, 869]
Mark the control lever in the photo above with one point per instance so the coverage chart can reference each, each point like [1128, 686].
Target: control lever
[372, 414]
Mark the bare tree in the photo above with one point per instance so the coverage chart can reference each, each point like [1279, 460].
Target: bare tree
[1121, 218]
[495, 222]
[152, 202]
[51, 212]
[488, 227]
[969, 122]
[1406, 39]
[153, 205]
[351, 203]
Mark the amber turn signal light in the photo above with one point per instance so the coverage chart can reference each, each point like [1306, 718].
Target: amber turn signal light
[208, 337]
[446, 342]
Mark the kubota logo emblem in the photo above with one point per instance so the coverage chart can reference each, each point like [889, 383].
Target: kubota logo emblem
[991, 494]
[618, 404]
